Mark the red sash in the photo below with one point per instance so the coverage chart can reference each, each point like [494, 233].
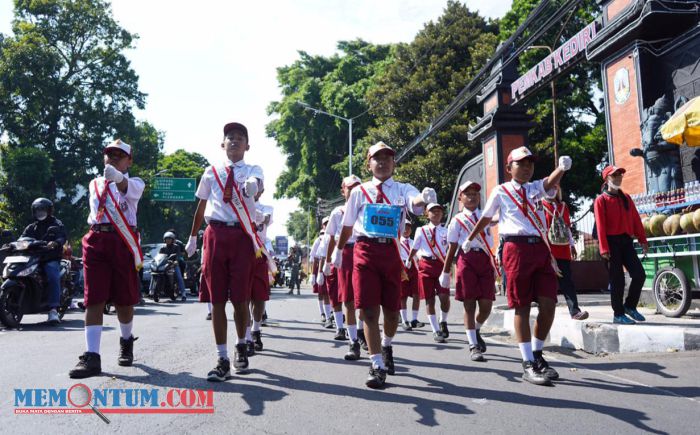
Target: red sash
[435, 245]
[469, 226]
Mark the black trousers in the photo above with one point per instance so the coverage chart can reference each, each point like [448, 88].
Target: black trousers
[622, 253]
[566, 285]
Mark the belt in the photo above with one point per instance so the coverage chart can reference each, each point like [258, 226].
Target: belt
[377, 240]
[349, 245]
[523, 239]
[224, 224]
[107, 228]
[428, 258]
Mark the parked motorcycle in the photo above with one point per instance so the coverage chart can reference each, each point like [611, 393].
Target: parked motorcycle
[25, 289]
[163, 281]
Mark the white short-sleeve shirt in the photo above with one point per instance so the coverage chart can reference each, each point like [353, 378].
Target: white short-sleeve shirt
[128, 202]
[423, 240]
[210, 190]
[335, 224]
[512, 221]
[457, 233]
[405, 246]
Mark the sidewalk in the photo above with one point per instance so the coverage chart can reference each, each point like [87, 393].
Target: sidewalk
[598, 334]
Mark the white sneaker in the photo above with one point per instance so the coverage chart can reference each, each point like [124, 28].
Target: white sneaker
[53, 318]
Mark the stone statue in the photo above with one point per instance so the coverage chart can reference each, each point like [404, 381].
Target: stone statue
[662, 158]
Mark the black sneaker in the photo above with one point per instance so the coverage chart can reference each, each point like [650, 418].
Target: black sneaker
[257, 341]
[341, 335]
[126, 351]
[89, 364]
[475, 354]
[208, 316]
[250, 348]
[323, 319]
[534, 376]
[406, 326]
[241, 358]
[438, 338]
[416, 324]
[221, 372]
[362, 340]
[376, 378]
[480, 341]
[330, 323]
[388, 358]
[543, 366]
[183, 299]
[353, 352]
[444, 330]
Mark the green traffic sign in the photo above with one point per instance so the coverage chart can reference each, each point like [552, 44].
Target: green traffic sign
[174, 189]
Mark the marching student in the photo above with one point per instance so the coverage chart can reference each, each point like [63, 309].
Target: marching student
[375, 211]
[476, 268]
[430, 243]
[317, 288]
[111, 257]
[260, 292]
[344, 273]
[226, 195]
[329, 278]
[527, 259]
[409, 287]
[323, 290]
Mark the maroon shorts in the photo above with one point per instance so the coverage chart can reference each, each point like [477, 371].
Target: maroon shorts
[475, 276]
[109, 271]
[410, 288]
[203, 289]
[376, 275]
[345, 292]
[429, 279]
[228, 264]
[331, 285]
[261, 280]
[529, 273]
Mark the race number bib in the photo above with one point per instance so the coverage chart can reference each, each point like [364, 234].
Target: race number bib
[382, 220]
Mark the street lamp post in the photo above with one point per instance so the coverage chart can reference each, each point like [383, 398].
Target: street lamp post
[554, 105]
[348, 120]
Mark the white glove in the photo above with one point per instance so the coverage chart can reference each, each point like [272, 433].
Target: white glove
[337, 258]
[251, 187]
[467, 245]
[259, 217]
[112, 174]
[320, 279]
[565, 163]
[407, 263]
[191, 246]
[327, 269]
[429, 195]
[313, 279]
[444, 280]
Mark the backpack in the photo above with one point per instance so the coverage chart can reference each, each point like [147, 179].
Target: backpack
[558, 232]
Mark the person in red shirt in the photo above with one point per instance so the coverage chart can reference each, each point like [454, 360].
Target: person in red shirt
[555, 207]
[617, 221]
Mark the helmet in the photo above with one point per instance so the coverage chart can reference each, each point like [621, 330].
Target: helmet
[41, 208]
[169, 235]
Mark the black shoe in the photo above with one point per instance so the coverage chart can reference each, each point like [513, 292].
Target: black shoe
[241, 358]
[438, 337]
[543, 366]
[376, 378]
[406, 326]
[416, 324]
[221, 372]
[323, 320]
[444, 330]
[89, 364]
[290, 292]
[208, 316]
[534, 376]
[353, 352]
[388, 357]
[330, 323]
[480, 341]
[264, 316]
[250, 348]
[126, 351]
[341, 334]
[475, 354]
[183, 299]
[298, 292]
[257, 341]
[362, 340]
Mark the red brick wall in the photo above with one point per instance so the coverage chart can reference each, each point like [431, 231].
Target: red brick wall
[615, 7]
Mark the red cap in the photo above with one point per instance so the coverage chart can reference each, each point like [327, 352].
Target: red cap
[236, 126]
[520, 154]
[610, 169]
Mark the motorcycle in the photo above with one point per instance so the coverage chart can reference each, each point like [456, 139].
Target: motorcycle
[25, 288]
[163, 281]
[193, 272]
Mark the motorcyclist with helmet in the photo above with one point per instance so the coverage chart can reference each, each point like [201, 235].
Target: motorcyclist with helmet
[48, 228]
[171, 247]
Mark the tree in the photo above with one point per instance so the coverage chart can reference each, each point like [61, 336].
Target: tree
[299, 222]
[66, 88]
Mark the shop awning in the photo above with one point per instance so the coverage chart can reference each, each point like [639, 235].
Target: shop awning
[684, 125]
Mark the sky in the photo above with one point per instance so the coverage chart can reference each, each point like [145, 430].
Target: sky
[207, 63]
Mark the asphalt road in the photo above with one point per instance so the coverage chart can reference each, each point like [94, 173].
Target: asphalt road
[301, 384]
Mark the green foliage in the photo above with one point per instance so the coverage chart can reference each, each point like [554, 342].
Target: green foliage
[299, 222]
[30, 169]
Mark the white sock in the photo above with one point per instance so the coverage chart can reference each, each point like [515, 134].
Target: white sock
[433, 322]
[478, 325]
[126, 329]
[93, 336]
[248, 336]
[320, 307]
[537, 344]
[526, 351]
[222, 351]
[471, 336]
[404, 313]
[415, 315]
[327, 310]
[377, 361]
[240, 340]
[256, 326]
[443, 316]
[360, 325]
[352, 332]
[386, 341]
[338, 320]
[209, 307]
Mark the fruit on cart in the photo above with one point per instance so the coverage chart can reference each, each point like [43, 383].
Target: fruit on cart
[672, 225]
[656, 225]
[696, 219]
[687, 224]
[645, 224]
